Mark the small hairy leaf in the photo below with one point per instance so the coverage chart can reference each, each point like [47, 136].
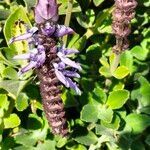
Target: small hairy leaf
[12, 121]
[22, 102]
[97, 2]
[89, 113]
[105, 114]
[138, 122]
[85, 137]
[117, 99]
[121, 72]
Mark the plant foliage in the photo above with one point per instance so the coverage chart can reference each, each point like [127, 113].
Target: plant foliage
[113, 111]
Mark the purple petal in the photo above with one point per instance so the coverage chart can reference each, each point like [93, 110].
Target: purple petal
[48, 29]
[68, 61]
[41, 48]
[70, 51]
[71, 74]
[60, 76]
[37, 17]
[63, 30]
[22, 56]
[24, 36]
[41, 59]
[73, 86]
[46, 9]
[31, 65]
[61, 66]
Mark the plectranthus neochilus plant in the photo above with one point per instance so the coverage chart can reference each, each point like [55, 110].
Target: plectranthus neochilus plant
[122, 16]
[53, 67]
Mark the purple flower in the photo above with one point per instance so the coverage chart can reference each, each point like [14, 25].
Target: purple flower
[24, 36]
[46, 15]
[65, 76]
[46, 10]
[36, 58]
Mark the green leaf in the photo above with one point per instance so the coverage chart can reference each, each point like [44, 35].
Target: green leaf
[105, 114]
[138, 122]
[121, 72]
[126, 59]
[86, 20]
[34, 122]
[22, 102]
[115, 124]
[4, 14]
[11, 29]
[119, 86]
[145, 91]
[63, 7]
[117, 99]
[12, 121]
[4, 103]
[68, 99]
[61, 142]
[30, 4]
[23, 148]
[30, 138]
[13, 87]
[105, 71]
[99, 95]
[139, 52]
[137, 145]
[46, 145]
[93, 53]
[148, 140]
[97, 2]
[104, 62]
[3, 59]
[73, 39]
[2, 66]
[89, 113]
[10, 73]
[85, 137]
[102, 16]
[75, 147]
[25, 139]
[102, 130]
[80, 43]
[105, 26]
[145, 110]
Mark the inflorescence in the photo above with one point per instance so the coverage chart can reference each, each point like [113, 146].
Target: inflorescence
[51, 61]
[122, 16]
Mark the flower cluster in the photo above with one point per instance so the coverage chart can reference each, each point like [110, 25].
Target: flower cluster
[37, 56]
[52, 62]
[122, 16]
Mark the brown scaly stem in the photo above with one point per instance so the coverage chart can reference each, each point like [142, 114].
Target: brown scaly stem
[51, 91]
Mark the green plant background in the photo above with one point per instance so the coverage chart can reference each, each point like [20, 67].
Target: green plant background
[113, 112]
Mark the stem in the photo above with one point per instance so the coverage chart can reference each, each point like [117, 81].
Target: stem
[88, 33]
[67, 19]
[115, 63]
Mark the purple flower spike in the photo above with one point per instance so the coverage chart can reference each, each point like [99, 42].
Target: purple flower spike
[36, 57]
[63, 76]
[31, 65]
[22, 56]
[74, 86]
[71, 74]
[66, 51]
[24, 36]
[62, 30]
[60, 75]
[46, 10]
[68, 62]
[49, 29]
